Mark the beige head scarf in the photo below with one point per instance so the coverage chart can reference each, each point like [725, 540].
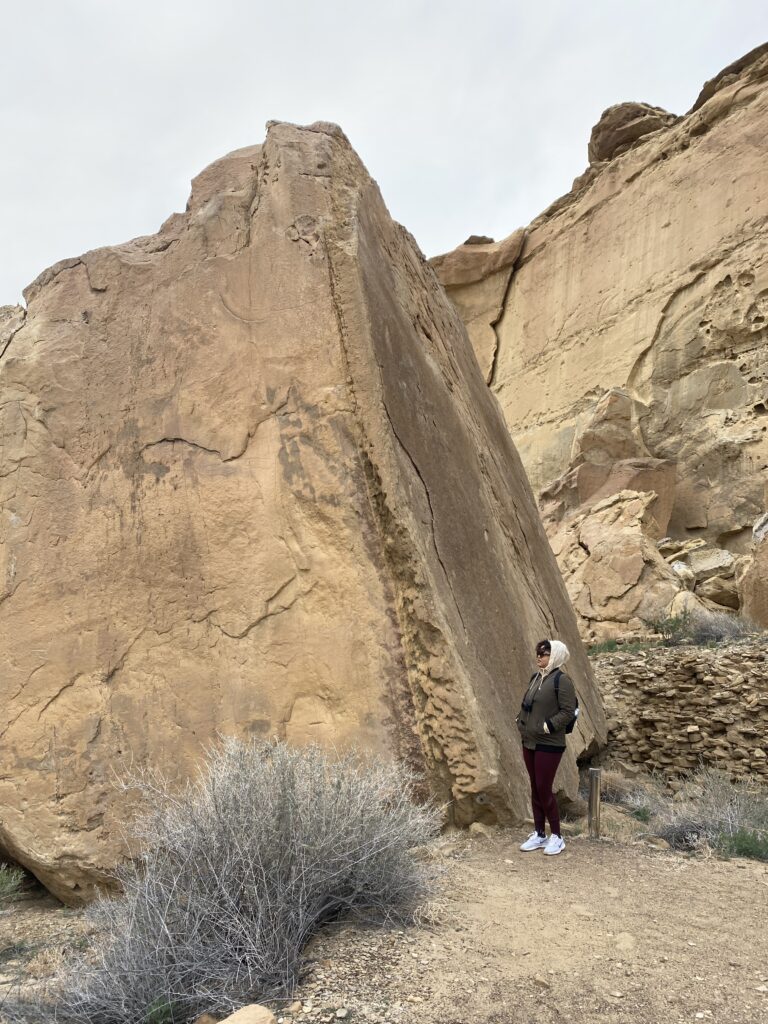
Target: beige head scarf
[557, 657]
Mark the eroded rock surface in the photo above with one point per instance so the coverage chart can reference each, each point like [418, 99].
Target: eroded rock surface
[614, 574]
[253, 482]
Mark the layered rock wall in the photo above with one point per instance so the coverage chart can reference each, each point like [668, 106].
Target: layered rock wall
[672, 709]
[252, 482]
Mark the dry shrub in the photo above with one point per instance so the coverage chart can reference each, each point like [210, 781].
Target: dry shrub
[717, 627]
[236, 873]
[712, 811]
[12, 880]
[616, 788]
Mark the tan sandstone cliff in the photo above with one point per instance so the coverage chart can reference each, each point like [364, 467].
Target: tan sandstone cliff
[626, 338]
[253, 482]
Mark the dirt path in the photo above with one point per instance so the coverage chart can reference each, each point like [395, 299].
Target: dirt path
[605, 932]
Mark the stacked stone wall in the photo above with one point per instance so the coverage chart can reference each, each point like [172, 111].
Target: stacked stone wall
[672, 709]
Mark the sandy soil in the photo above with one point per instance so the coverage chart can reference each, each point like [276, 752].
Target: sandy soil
[605, 932]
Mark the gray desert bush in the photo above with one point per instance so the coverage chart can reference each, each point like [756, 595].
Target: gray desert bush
[645, 791]
[234, 875]
[716, 627]
[673, 629]
[712, 811]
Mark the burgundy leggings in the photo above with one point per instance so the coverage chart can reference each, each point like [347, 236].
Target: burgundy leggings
[542, 768]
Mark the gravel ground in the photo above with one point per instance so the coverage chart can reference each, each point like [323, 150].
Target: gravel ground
[616, 932]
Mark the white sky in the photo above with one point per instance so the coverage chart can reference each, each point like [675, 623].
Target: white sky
[472, 116]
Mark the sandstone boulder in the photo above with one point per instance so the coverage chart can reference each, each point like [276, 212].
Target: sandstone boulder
[685, 574]
[253, 1014]
[707, 562]
[720, 590]
[615, 577]
[252, 482]
[622, 125]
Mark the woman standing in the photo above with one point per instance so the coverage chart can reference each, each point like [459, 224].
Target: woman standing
[549, 705]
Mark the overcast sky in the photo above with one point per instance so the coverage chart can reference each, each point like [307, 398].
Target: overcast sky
[472, 116]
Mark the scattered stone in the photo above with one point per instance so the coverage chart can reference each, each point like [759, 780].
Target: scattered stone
[478, 829]
[254, 1014]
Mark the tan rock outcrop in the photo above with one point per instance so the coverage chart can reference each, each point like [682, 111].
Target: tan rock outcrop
[11, 320]
[622, 125]
[651, 277]
[614, 574]
[607, 457]
[252, 482]
[476, 276]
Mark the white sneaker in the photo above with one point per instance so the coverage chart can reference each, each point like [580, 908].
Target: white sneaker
[555, 844]
[534, 842]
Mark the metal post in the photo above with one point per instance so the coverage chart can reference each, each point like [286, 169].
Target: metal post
[595, 777]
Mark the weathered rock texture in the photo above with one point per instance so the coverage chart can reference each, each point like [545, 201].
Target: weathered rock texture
[622, 125]
[253, 482]
[752, 576]
[671, 709]
[641, 298]
[614, 574]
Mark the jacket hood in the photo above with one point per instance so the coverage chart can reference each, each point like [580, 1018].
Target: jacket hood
[558, 655]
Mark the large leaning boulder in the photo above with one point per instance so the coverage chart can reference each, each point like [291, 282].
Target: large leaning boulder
[252, 482]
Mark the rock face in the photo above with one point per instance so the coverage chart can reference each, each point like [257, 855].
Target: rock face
[642, 297]
[253, 482]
